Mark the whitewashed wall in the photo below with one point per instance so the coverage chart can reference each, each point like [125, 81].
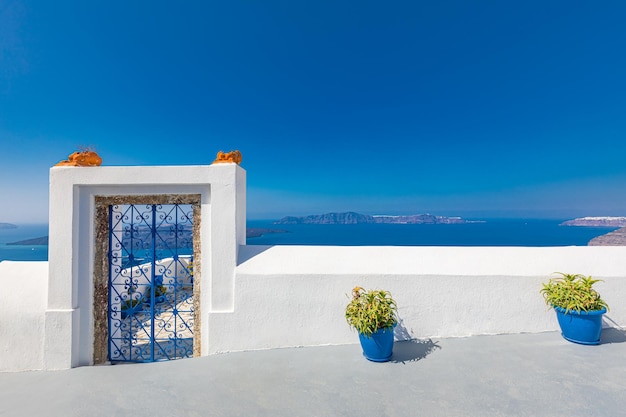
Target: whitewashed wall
[288, 296]
[259, 297]
[23, 291]
[296, 295]
[172, 272]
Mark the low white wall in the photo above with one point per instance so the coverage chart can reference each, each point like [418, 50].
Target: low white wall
[173, 273]
[23, 295]
[287, 296]
[296, 295]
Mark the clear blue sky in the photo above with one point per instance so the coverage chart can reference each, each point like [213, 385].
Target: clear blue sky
[470, 108]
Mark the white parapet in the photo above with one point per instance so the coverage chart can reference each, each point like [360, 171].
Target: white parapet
[171, 272]
[287, 296]
[22, 314]
[296, 295]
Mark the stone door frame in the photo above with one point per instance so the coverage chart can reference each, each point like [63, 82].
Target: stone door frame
[101, 265]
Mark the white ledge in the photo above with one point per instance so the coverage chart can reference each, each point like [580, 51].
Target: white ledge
[432, 260]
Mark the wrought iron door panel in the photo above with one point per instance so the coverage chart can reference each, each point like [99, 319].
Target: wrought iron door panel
[150, 309]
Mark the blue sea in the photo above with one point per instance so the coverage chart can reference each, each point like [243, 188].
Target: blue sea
[23, 253]
[497, 232]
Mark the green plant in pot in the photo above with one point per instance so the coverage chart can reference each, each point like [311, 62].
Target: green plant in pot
[160, 290]
[373, 314]
[130, 307]
[579, 307]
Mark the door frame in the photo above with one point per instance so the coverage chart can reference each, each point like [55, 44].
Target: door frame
[101, 265]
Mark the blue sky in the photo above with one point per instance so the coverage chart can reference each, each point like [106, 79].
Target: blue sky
[477, 109]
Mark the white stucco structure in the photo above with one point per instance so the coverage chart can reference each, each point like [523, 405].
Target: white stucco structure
[68, 339]
[260, 297]
[296, 295]
[23, 300]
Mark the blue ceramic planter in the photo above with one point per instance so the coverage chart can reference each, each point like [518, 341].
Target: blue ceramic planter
[131, 310]
[379, 346]
[580, 327]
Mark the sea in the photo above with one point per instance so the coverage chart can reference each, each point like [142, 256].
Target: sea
[19, 252]
[491, 232]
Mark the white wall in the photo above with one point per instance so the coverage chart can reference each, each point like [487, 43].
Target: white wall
[173, 273]
[296, 295]
[257, 297]
[22, 309]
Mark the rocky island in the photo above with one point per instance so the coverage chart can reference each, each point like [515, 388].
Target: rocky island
[615, 238]
[357, 218]
[259, 231]
[7, 226]
[597, 221]
[250, 232]
[32, 242]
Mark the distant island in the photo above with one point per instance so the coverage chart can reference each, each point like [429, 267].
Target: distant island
[7, 226]
[615, 238]
[258, 231]
[250, 232]
[32, 242]
[357, 218]
[597, 222]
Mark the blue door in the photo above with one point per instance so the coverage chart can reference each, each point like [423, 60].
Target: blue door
[150, 306]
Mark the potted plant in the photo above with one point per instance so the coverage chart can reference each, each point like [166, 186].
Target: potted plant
[159, 289]
[372, 313]
[579, 308]
[130, 307]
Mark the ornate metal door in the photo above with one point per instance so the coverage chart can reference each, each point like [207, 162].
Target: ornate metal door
[150, 306]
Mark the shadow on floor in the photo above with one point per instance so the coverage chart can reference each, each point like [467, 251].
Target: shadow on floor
[409, 349]
[612, 335]
[413, 350]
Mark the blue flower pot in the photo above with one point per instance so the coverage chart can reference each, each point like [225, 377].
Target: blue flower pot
[128, 311]
[379, 346]
[580, 327]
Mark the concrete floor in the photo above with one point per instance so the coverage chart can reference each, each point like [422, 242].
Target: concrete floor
[506, 375]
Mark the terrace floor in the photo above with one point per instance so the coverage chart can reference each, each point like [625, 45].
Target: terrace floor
[505, 375]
